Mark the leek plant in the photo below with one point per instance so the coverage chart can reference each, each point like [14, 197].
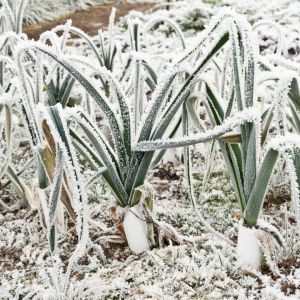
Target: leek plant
[60, 186]
[250, 173]
[10, 89]
[11, 32]
[59, 179]
[126, 169]
[286, 108]
[7, 112]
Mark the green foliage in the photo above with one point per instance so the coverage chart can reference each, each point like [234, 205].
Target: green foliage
[195, 20]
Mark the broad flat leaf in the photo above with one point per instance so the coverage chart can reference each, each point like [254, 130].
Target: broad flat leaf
[258, 192]
[55, 196]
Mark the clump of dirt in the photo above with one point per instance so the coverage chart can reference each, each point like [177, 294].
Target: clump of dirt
[7, 201]
[166, 171]
[9, 258]
[289, 288]
[265, 270]
[277, 198]
[289, 265]
[89, 20]
[286, 267]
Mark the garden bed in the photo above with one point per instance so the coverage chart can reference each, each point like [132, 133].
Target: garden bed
[195, 263]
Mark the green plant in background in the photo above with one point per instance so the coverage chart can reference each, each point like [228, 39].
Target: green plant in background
[60, 93]
[11, 33]
[211, 1]
[104, 48]
[195, 21]
[14, 15]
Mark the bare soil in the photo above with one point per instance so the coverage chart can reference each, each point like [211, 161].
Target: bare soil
[89, 20]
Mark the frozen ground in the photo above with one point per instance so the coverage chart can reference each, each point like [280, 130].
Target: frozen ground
[38, 10]
[203, 266]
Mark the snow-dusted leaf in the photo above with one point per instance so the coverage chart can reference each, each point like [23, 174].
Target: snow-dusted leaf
[55, 196]
[255, 201]
[247, 115]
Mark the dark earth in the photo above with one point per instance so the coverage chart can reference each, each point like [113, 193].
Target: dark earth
[89, 20]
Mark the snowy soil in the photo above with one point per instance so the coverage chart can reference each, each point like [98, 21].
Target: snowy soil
[203, 266]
